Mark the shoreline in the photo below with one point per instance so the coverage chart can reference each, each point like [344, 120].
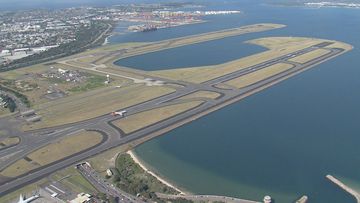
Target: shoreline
[182, 194]
[162, 180]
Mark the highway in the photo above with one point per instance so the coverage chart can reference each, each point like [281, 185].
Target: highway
[33, 140]
[103, 186]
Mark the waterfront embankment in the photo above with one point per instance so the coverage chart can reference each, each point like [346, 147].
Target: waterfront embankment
[206, 198]
[344, 187]
[183, 195]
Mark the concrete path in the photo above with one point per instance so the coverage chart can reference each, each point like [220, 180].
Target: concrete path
[344, 187]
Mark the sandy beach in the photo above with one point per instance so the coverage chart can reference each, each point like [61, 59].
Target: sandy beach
[137, 161]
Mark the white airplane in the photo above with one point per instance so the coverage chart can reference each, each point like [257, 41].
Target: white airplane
[119, 113]
[28, 200]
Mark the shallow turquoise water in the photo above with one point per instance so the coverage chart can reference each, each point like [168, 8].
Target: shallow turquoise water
[281, 141]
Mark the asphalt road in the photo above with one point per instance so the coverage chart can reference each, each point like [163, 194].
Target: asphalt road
[103, 186]
[35, 139]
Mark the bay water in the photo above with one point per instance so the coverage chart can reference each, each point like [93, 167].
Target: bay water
[279, 142]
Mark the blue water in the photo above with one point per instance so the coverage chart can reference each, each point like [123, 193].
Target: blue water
[229, 49]
[281, 141]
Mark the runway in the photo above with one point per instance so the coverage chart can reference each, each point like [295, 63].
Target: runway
[32, 140]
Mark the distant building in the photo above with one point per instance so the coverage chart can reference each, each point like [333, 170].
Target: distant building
[62, 71]
[82, 198]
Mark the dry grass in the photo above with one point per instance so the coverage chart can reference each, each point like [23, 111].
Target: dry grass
[113, 47]
[223, 86]
[14, 74]
[285, 42]
[202, 94]
[4, 112]
[341, 45]
[94, 103]
[104, 53]
[146, 118]
[278, 46]
[107, 159]
[66, 147]
[259, 75]
[310, 56]
[88, 59]
[138, 74]
[36, 96]
[53, 152]
[18, 168]
[10, 141]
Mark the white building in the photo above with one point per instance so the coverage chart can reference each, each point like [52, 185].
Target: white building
[267, 199]
[81, 198]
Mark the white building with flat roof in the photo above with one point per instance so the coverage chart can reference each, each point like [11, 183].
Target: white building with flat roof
[81, 198]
